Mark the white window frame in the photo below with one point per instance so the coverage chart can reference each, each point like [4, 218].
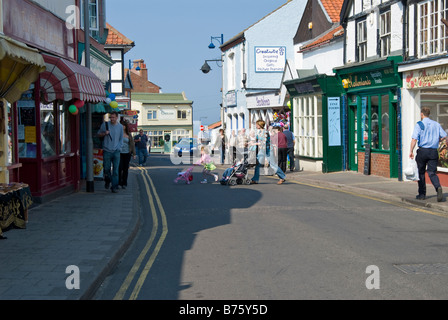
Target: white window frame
[95, 4]
[432, 33]
[308, 130]
[361, 43]
[153, 115]
[231, 71]
[385, 33]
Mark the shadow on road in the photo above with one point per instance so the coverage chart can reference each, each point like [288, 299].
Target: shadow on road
[189, 210]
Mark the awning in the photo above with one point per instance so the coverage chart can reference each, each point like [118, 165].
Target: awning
[20, 66]
[65, 80]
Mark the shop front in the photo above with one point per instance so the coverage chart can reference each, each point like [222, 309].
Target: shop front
[47, 132]
[372, 100]
[425, 84]
[317, 122]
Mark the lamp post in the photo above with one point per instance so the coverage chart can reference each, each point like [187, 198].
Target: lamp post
[89, 142]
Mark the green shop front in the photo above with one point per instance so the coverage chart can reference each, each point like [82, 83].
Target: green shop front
[316, 122]
[372, 102]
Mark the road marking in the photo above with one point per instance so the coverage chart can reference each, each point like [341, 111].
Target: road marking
[131, 275]
[409, 207]
[156, 251]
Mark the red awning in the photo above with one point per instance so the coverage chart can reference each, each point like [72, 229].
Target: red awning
[65, 80]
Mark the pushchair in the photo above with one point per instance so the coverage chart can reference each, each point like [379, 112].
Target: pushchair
[186, 176]
[238, 174]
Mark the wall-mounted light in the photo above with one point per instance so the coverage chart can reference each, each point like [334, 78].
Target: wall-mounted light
[206, 68]
[310, 25]
[131, 64]
[219, 39]
[244, 80]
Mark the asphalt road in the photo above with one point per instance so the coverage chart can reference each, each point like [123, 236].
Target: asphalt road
[275, 242]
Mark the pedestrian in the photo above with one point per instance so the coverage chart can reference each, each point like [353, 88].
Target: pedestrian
[127, 151]
[221, 144]
[208, 164]
[232, 147]
[290, 146]
[141, 143]
[281, 145]
[252, 147]
[242, 143]
[427, 134]
[264, 154]
[112, 132]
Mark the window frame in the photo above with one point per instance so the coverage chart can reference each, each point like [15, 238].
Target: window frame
[361, 43]
[432, 37]
[385, 35]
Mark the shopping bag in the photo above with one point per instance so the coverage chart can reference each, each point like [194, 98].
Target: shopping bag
[411, 172]
[210, 166]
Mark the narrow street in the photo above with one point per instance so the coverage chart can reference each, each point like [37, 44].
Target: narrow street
[271, 242]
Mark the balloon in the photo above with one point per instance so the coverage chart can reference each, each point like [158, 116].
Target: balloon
[289, 104]
[112, 96]
[79, 103]
[114, 104]
[108, 101]
[72, 109]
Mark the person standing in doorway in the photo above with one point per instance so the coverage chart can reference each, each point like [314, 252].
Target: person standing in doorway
[427, 133]
[112, 132]
[141, 144]
[290, 149]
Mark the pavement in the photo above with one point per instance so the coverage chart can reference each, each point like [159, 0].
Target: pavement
[92, 231]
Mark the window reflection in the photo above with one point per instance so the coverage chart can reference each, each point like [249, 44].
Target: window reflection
[48, 130]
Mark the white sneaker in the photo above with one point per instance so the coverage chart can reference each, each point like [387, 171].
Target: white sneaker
[204, 181]
[216, 177]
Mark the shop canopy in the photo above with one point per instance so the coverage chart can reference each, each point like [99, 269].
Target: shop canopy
[20, 66]
[65, 80]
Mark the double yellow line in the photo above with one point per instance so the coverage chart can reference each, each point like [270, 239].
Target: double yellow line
[137, 265]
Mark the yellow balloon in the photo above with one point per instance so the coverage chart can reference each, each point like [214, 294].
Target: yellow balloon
[289, 104]
[114, 104]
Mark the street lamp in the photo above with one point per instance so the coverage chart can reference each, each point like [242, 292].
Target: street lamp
[211, 45]
[206, 68]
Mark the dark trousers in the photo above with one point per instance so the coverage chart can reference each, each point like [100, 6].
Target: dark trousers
[427, 162]
[290, 152]
[282, 158]
[123, 169]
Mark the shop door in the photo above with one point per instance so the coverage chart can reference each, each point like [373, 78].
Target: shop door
[353, 138]
[167, 144]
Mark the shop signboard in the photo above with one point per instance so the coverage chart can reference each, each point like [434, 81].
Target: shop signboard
[270, 59]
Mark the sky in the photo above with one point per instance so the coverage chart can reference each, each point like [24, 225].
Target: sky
[172, 36]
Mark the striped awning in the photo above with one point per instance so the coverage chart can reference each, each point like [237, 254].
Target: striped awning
[65, 80]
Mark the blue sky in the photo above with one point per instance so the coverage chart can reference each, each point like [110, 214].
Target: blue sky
[172, 36]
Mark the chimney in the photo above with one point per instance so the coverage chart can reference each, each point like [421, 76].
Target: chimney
[140, 64]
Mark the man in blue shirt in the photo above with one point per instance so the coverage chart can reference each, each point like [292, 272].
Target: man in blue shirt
[112, 132]
[428, 134]
[141, 141]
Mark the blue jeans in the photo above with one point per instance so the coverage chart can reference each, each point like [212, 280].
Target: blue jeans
[272, 164]
[142, 155]
[111, 163]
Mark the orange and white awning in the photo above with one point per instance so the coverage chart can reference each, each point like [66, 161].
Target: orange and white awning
[65, 80]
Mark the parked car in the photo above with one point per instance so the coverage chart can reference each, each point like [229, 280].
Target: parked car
[187, 146]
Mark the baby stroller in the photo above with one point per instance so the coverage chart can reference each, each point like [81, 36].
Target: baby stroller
[186, 176]
[238, 174]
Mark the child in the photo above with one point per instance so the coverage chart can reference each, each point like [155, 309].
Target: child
[206, 160]
[228, 171]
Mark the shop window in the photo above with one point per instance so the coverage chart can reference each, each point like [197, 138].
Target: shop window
[64, 130]
[385, 33]
[48, 130]
[432, 33]
[308, 120]
[375, 122]
[154, 138]
[26, 130]
[362, 40]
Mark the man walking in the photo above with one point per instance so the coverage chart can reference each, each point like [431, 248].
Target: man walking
[113, 139]
[428, 134]
[141, 141]
[290, 149]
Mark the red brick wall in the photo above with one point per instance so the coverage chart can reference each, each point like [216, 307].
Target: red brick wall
[379, 166]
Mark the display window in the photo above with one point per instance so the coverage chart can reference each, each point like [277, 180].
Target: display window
[375, 122]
